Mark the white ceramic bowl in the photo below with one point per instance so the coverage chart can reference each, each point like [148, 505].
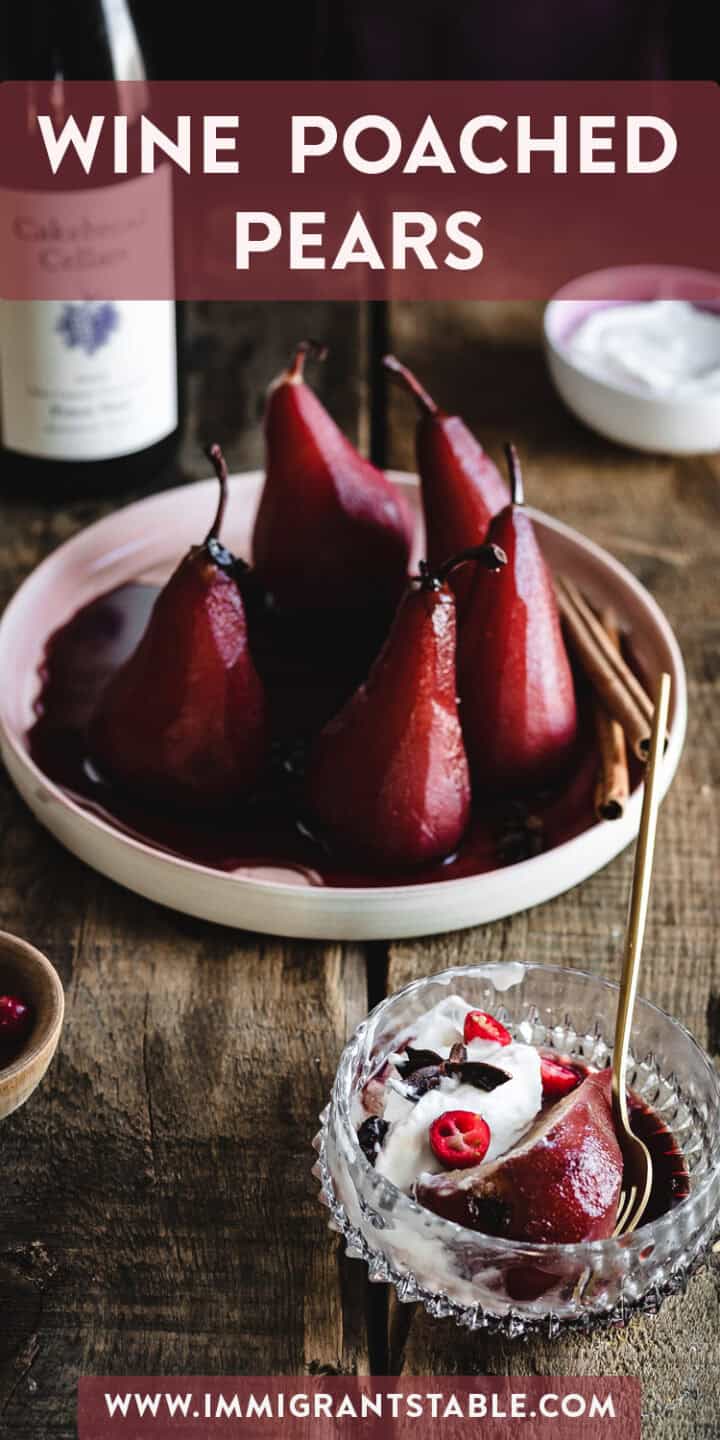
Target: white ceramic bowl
[143, 541]
[684, 426]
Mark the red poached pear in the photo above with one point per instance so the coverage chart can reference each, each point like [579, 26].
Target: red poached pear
[184, 717]
[518, 711]
[560, 1185]
[331, 530]
[388, 776]
[461, 487]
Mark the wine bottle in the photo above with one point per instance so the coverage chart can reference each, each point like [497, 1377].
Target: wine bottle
[89, 387]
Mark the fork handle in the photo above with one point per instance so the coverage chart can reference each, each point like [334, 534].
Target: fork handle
[639, 897]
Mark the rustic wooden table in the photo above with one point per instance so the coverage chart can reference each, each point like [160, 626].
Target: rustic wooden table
[157, 1212]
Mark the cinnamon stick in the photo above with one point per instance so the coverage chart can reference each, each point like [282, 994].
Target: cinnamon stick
[613, 785]
[612, 680]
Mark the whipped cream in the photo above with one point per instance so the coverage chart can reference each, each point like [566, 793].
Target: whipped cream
[508, 1110]
[667, 348]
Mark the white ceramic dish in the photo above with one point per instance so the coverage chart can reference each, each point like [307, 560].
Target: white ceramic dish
[145, 540]
[686, 426]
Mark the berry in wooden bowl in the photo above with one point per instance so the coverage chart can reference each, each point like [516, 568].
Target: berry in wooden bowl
[32, 1005]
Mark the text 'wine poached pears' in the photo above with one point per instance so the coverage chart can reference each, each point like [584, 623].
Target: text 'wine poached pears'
[518, 706]
[461, 486]
[388, 776]
[184, 717]
[331, 530]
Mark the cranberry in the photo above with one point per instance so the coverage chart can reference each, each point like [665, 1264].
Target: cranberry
[459, 1138]
[15, 1018]
[479, 1026]
[557, 1079]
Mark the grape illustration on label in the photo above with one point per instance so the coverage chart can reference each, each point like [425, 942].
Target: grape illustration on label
[88, 324]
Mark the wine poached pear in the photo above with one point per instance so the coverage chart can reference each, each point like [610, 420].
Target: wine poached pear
[519, 711]
[559, 1185]
[331, 531]
[462, 489]
[184, 716]
[388, 777]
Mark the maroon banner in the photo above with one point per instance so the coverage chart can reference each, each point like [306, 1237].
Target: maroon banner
[545, 1407]
[429, 191]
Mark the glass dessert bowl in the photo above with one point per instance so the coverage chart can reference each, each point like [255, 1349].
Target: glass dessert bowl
[489, 1281]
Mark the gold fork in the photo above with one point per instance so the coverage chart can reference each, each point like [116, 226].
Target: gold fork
[637, 1165]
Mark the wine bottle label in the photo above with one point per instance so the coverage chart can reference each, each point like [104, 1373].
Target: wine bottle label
[87, 378]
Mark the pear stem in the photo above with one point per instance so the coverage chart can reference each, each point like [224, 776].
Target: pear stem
[303, 348]
[517, 489]
[216, 457]
[490, 557]
[425, 401]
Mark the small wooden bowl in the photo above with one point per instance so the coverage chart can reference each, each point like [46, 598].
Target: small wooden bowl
[27, 973]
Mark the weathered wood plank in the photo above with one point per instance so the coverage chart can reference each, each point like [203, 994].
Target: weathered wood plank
[157, 1212]
[661, 518]
[161, 1180]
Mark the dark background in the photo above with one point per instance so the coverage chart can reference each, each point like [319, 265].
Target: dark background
[433, 39]
[377, 39]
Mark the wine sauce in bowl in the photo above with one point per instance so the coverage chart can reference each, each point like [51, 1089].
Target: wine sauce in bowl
[306, 685]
